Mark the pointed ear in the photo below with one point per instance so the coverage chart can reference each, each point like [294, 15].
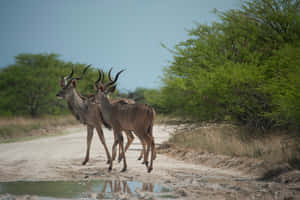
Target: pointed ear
[111, 89]
[101, 88]
[98, 87]
[74, 83]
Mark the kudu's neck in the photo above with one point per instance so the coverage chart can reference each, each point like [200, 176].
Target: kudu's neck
[106, 108]
[77, 105]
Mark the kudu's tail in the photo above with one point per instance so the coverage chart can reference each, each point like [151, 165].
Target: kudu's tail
[151, 115]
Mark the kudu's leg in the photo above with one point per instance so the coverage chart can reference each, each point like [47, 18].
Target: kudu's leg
[154, 154]
[150, 146]
[130, 139]
[143, 143]
[116, 142]
[153, 151]
[146, 144]
[121, 141]
[102, 139]
[146, 154]
[144, 148]
[88, 141]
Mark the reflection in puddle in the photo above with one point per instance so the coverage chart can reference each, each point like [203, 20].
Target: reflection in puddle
[127, 187]
[84, 189]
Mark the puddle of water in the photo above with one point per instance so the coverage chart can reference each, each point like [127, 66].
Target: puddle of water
[84, 189]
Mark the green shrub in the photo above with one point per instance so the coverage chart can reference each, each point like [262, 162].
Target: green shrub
[244, 68]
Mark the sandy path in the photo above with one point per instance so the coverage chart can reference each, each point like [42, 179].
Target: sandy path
[48, 158]
[59, 158]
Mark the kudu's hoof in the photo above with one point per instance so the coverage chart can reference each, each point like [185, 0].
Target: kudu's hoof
[124, 169]
[84, 162]
[139, 158]
[146, 163]
[108, 162]
[110, 168]
[150, 169]
[120, 159]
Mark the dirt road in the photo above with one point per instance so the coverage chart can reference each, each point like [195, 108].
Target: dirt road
[60, 158]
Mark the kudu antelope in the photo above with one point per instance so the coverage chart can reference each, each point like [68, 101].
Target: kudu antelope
[88, 113]
[138, 118]
[129, 135]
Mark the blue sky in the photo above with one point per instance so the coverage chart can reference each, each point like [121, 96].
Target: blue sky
[124, 34]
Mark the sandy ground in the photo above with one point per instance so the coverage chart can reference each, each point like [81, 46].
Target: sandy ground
[60, 158]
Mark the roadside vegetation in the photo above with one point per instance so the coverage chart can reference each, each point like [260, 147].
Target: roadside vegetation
[274, 148]
[20, 128]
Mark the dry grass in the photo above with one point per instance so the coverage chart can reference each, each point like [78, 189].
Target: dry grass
[235, 141]
[46, 120]
[172, 119]
[19, 127]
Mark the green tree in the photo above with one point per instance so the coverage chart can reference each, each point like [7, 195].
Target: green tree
[29, 87]
[243, 68]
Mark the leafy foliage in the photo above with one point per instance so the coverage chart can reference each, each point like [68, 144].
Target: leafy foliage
[29, 87]
[244, 68]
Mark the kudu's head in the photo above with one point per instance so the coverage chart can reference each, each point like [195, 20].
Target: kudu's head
[68, 83]
[104, 89]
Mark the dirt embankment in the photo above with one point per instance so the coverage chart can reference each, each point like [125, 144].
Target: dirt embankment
[60, 158]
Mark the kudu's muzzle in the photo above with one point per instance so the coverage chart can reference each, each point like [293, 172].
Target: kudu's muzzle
[59, 95]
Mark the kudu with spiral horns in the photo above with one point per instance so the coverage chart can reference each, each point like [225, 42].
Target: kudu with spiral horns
[138, 118]
[87, 113]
